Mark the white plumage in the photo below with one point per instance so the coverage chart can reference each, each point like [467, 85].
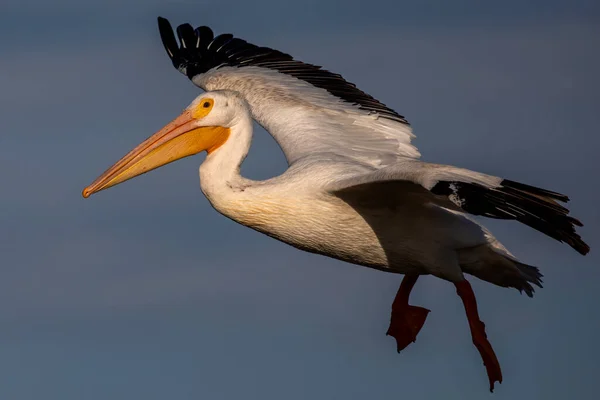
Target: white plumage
[305, 120]
[355, 188]
[331, 204]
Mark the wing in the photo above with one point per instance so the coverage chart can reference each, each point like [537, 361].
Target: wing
[307, 109]
[479, 194]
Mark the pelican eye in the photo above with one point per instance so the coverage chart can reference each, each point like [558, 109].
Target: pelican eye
[203, 108]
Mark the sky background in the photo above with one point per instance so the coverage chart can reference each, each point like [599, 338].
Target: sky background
[145, 292]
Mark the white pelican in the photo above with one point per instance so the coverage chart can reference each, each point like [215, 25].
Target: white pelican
[355, 189]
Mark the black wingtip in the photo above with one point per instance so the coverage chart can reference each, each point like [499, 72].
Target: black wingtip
[200, 51]
[569, 235]
[535, 190]
[529, 205]
[168, 39]
[187, 36]
[165, 28]
[205, 34]
[581, 247]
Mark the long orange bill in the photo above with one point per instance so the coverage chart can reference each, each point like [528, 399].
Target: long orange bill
[178, 139]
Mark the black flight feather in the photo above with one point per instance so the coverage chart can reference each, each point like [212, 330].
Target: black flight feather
[529, 205]
[200, 52]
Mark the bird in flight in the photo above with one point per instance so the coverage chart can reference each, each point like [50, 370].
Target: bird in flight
[355, 188]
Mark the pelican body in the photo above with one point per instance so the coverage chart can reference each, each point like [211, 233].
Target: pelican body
[355, 189]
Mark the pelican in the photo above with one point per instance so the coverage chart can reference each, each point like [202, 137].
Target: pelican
[355, 189]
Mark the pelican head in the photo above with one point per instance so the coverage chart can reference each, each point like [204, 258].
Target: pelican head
[204, 125]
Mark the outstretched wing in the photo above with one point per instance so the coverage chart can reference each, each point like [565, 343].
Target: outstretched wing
[307, 109]
[478, 194]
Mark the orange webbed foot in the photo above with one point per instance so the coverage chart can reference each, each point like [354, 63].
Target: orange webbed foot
[406, 320]
[405, 324]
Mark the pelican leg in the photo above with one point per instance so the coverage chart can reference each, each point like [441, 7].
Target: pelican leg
[406, 320]
[492, 366]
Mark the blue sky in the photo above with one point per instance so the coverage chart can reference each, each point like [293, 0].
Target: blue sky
[144, 291]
